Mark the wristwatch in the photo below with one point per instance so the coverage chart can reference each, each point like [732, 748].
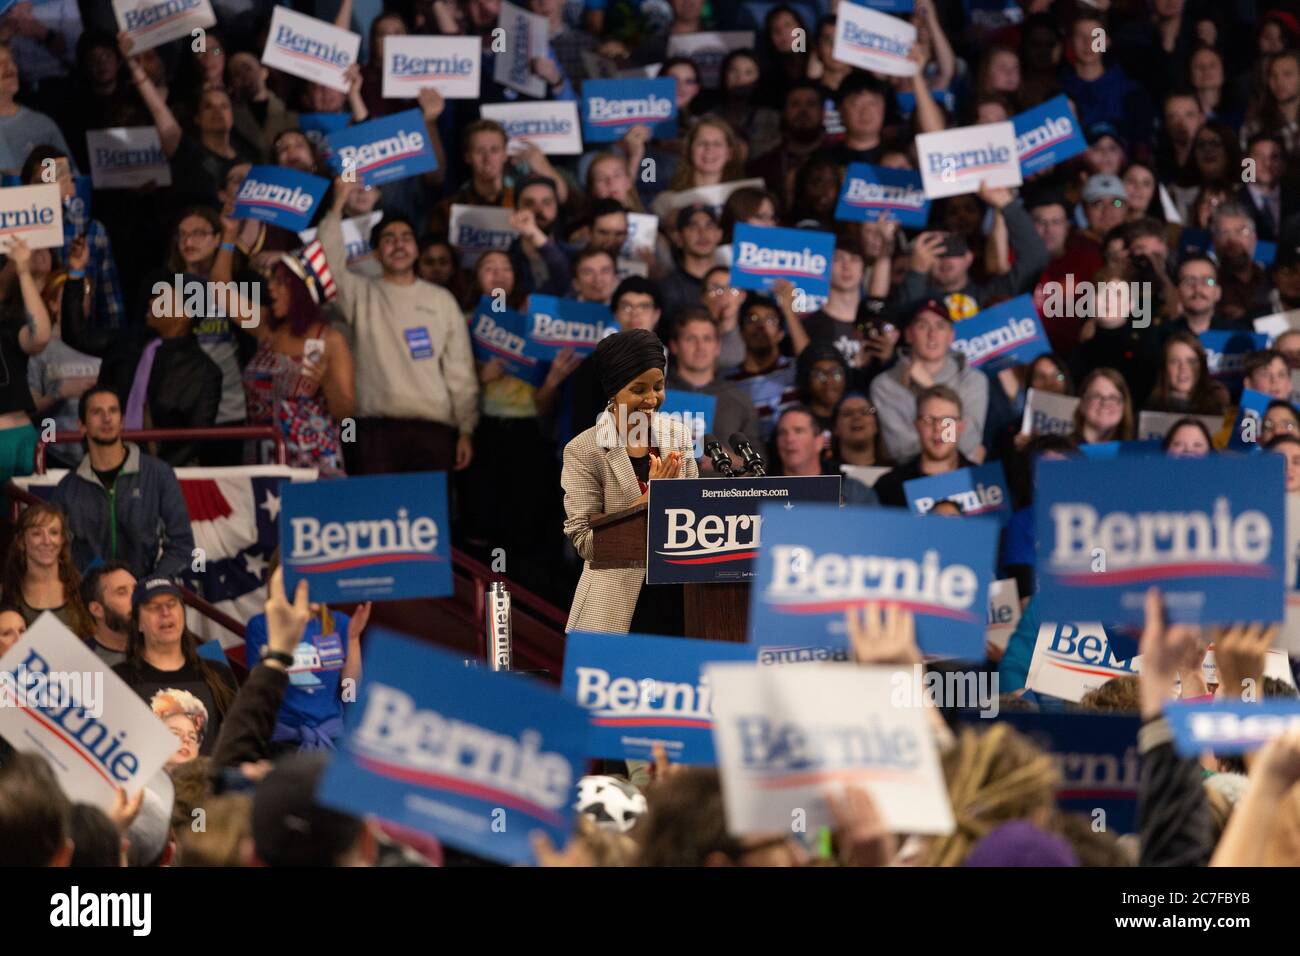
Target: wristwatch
[281, 656]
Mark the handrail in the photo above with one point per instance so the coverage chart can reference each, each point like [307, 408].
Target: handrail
[19, 496]
[144, 435]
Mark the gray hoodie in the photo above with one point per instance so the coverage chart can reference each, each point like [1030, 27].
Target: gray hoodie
[894, 395]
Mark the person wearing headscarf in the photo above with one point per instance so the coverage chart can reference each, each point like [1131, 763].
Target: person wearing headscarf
[608, 468]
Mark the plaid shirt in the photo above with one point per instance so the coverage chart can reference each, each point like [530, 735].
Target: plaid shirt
[101, 271]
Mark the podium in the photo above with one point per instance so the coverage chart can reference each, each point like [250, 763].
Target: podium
[716, 612]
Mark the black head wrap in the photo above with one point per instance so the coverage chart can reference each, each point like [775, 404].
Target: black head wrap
[625, 355]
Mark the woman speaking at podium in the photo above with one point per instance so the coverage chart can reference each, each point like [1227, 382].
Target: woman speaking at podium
[608, 468]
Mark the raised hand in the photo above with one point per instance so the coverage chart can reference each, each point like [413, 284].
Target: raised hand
[1239, 654]
[286, 622]
[860, 830]
[882, 638]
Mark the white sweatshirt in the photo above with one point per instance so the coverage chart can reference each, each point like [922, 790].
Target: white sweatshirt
[413, 353]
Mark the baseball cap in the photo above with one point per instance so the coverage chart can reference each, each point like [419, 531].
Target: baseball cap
[1104, 186]
[1101, 130]
[686, 212]
[930, 305]
[149, 588]
[289, 827]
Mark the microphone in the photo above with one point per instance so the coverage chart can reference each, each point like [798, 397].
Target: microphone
[753, 460]
[721, 460]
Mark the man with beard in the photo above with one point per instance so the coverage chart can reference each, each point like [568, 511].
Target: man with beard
[802, 132]
[107, 590]
[121, 503]
[541, 264]
[1199, 293]
[1245, 283]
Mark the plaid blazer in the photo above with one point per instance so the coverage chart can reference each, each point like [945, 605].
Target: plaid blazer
[598, 479]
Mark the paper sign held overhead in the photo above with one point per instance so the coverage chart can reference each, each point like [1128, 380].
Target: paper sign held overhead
[310, 48]
[449, 65]
[870, 40]
[33, 214]
[152, 23]
[958, 161]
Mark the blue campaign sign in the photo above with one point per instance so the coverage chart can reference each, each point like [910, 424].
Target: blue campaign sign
[384, 150]
[870, 192]
[1108, 450]
[1047, 135]
[555, 324]
[500, 336]
[640, 690]
[318, 126]
[1228, 351]
[887, 6]
[1210, 533]
[706, 530]
[478, 759]
[763, 254]
[379, 538]
[1097, 756]
[1003, 336]
[1229, 728]
[818, 561]
[280, 196]
[977, 491]
[612, 107]
[694, 410]
[1250, 409]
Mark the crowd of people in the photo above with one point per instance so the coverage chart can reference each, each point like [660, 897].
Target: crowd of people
[1189, 191]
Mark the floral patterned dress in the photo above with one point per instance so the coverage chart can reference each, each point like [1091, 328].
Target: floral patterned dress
[279, 395]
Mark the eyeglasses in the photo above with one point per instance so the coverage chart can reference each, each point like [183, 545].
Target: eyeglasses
[717, 290]
[1270, 425]
[768, 320]
[1117, 203]
[1113, 401]
[930, 421]
[619, 234]
[1051, 223]
[186, 235]
[1191, 282]
[828, 375]
[855, 411]
[643, 308]
[396, 238]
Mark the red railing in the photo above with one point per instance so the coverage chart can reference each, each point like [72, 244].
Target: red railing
[146, 435]
[539, 642]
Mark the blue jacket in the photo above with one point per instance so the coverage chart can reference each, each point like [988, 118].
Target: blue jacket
[142, 520]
